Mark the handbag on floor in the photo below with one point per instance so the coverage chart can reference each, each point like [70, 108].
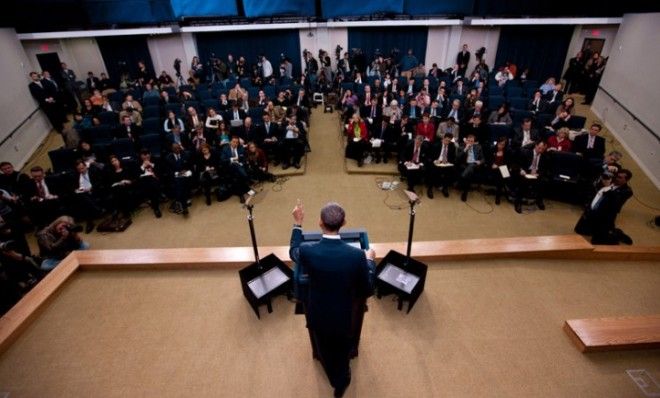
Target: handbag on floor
[114, 224]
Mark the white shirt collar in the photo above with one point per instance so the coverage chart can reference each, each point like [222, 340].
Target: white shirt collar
[327, 236]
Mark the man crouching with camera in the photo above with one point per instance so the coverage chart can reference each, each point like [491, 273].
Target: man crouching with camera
[59, 239]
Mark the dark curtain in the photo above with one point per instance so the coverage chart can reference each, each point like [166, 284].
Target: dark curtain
[250, 44]
[107, 12]
[267, 8]
[343, 8]
[197, 8]
[43, 15]
[386, 39]
[435, 7]
[542, 49]
[122, 53]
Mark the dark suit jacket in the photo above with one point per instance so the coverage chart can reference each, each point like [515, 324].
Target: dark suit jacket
[437, 148]
[541, 108]
[580, 146]
[526, 159]
[226, 154]
[122, 132]
[518, 135]
[184, 162]
[418, 111]
[272, 131]
[339, 282]
[462, 155]
[40, 93]
[95, 80]
[463, 59]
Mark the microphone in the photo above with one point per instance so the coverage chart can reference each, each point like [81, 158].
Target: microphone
[412, 197]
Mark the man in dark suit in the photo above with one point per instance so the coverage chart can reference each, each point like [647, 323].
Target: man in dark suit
[128, 130]
[340, 280]
[524, 136]
[232, 158]
[598, 219]
[442, 170]
[47, 100]
[88, 192]
[529, 180]
[591, 146]
[269, 136]
[537, 104]
[41, 199]
[463, 59]
[413, 161]
[92, 82]
[292, 145]
[180, 172]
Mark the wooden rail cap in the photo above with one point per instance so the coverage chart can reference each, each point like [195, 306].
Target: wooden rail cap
[617, 333]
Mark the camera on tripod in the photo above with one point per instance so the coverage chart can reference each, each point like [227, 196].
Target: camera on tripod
[177, 67]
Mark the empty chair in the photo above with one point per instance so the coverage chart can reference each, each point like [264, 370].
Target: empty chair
[192, 103]
[359, 89]
[152, 125]
[117, 96]
[495, 90]
[123, 148]
[518, 103]
[99, 134]
[347, 86]
[565, 166]
[151, 111]
[543, 120]
[499, 130]
[210, 103]
[203, 94]
[270, 91]
[576, 122]
[513, 91]
[495, 101]
[253, 92]
[256, 113]
[176, 108]
[62, 159]
[108, 118]
[152, 142]
[529, 86]
[171, 91]
[245, 82]
[151, 101]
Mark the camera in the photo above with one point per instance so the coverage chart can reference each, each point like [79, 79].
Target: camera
[7, 245]
[74, 228]
[177, 67]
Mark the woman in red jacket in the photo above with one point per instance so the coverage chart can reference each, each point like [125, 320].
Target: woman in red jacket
[358, 139]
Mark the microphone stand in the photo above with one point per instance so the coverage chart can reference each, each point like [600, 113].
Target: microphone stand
[250, 218]
[413, 199]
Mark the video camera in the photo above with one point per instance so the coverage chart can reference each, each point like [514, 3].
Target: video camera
[177, 67]
[73, 228]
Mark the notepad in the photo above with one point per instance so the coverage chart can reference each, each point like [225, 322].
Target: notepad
[267, 282]
[440, 164]
[398, 278]
[504, 171]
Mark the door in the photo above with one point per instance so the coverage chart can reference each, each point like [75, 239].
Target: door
[51, 63]
[591, 46]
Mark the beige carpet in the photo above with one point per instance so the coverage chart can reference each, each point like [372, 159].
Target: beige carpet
[383, 213]
[481, 329]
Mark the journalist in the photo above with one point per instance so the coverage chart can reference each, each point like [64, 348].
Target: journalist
[59, 239]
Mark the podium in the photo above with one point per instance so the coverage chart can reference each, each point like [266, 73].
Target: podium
[267, 277]
[401, 274]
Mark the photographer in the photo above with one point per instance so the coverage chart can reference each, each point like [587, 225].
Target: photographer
[57, 240]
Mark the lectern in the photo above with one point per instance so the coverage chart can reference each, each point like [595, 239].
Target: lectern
[399, 274]
[266, 277]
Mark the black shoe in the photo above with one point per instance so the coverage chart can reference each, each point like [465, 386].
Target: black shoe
[296, 165]
[157, 213]
[540, 205]
[518, 208]
[384, 159]
[208, 200]
[241, 198]
[360, 162]
[377, 160]
[285, 166]
[276, 163]
[185, 211]
[445, 192]
[464, 196]
[429, 193]
[497, 200]
[90, 227]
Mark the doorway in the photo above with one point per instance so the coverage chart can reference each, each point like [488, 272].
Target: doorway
[591, 46]
[51, 63]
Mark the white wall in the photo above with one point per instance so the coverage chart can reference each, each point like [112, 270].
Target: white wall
[445, 42]
[631, 77]
[475, 38]
[581, 32]
[323, 38]
[17, 104]
[164, 49]
[80, 55]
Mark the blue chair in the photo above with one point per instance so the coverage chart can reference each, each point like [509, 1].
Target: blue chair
[108, 118]
[543, 120]
[123, 148]
[495, 101]
[154, 143]
[177, 108]
[210, 103]
[171, 91]
[151, 111]
[99, 134]
[495, 90]
[513, 91]
[517, 103]
[152, 125]
[270, 91]
[203, 94]
[151, 101]
[499, 130]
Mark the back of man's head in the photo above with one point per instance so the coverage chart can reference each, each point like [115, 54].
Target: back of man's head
[332, 216]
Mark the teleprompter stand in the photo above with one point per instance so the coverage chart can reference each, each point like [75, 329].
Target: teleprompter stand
[265, 278]
[399, 274]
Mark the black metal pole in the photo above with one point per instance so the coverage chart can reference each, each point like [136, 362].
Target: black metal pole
[253, 236]
[410, 231]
